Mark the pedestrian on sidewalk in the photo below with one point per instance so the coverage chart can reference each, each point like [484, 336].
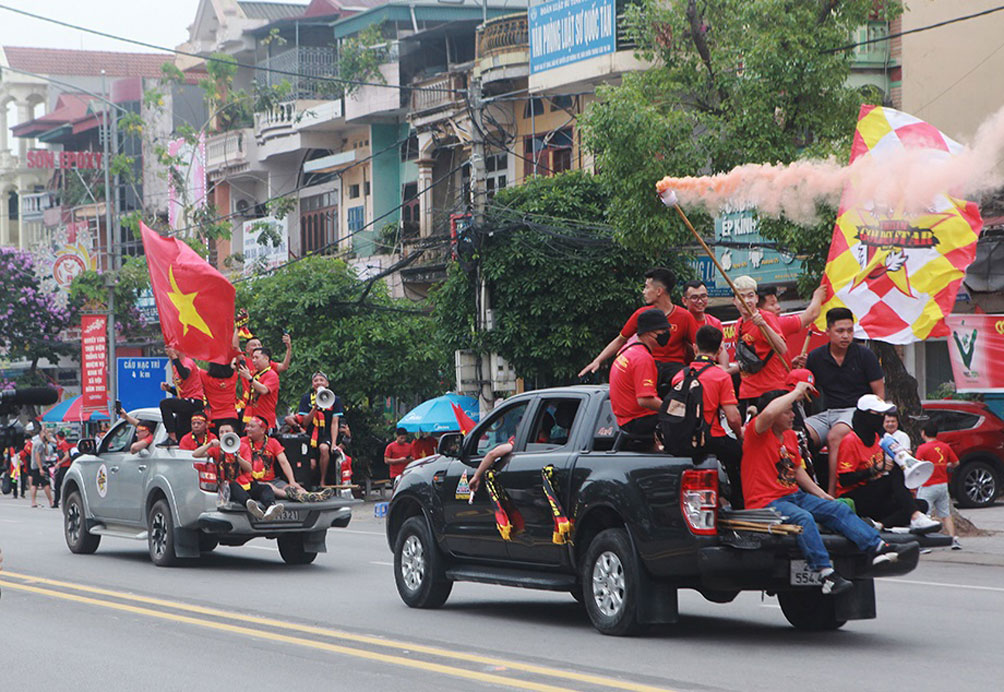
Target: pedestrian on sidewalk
[935, 490]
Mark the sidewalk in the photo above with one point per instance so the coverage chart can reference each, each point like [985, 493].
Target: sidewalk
[977, 550]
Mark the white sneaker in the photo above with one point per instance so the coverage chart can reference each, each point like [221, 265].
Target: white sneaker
[955, 544]
[255, 509]
[924, 524]
[273, 510]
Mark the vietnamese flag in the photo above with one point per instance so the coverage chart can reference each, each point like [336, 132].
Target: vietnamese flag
[463, 420]
[195, 302]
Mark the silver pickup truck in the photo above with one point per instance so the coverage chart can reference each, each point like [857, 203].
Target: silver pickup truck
[169, 499]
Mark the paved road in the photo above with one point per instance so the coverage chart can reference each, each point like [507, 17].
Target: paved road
[111, 621]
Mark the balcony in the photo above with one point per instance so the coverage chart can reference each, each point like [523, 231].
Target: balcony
[35, 204]
[436, 97]
[294, 125]
[230, 153]
[503, 49]
[303, 62]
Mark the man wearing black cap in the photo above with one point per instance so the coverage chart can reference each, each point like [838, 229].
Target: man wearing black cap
[633, 378]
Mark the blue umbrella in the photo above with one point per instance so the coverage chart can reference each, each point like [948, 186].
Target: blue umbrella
[71, 410]
[436, 415]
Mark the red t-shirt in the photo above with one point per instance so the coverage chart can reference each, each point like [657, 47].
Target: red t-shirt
[854, 455]
[189, 442]
[397, 450]
[65, 446]
[681, 332]
[632, 375]
[769, 464]
[423, 447]
[939, 454]
[773, 374]
[265, 405]
[709, 320]
[790, 324]
[718, 392]
[263, 457]
[221, 395]
[227, 466]
[191, 386]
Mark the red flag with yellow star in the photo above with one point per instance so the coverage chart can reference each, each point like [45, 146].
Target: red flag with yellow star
[195, 302]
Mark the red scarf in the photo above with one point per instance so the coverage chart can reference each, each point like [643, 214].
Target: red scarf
[250, 395]
[318, 422]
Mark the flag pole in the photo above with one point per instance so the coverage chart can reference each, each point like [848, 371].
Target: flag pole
[668, 197]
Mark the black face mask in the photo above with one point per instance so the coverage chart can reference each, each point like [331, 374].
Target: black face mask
[868, 426]
[662, 338]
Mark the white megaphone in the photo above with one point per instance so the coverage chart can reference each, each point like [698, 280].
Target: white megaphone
[915, 471]
[230, 442]
[325, 398]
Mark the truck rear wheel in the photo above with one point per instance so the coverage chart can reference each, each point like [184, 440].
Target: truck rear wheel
[418, 566]
[78, 539]
[810, 610]
[292, 550]
[610, 583]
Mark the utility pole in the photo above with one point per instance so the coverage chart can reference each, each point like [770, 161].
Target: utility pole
[479, 191]
[109, 274]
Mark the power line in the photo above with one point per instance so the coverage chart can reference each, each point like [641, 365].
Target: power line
[913, 31]
[287, 73]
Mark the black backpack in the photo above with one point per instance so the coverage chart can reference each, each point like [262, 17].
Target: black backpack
[681, 418]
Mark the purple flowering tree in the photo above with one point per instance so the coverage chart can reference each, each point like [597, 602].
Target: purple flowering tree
[30, 318]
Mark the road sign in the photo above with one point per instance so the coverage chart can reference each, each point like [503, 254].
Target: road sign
[139, 381]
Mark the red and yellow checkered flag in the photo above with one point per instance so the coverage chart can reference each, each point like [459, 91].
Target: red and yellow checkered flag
[899, 275]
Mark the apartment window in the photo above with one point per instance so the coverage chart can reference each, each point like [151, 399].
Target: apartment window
[366, 188]
[354, 191]
[533, 107]
[410, 209]
[562, 103]
[318, 222]
[355, 219]
[552, 152]
[497, 172]
[409, 150]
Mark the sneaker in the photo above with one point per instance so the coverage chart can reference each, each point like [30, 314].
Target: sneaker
[295, 494]
[898, 529]
[167, 443]
[255, 509]
[884, 554]
[922, 524]
[323, 494]
[955, 544]
[274, 510]
[834, 584]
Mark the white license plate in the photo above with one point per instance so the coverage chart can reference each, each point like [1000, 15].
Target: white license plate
[801, 575]
[286, 516]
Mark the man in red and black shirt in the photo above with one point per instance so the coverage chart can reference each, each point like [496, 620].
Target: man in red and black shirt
[675, 352]
[760, 331]
[634, 397]
[63, 459]
[219, 384]
[188, 397]
[264, 386]
[247, 357]
[235, 479]
[200, 434]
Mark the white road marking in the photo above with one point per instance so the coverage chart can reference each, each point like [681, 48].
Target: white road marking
[383, 564]
[363, 533]
[973, 587]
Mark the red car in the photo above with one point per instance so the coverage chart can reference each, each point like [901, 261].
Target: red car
[976, 435]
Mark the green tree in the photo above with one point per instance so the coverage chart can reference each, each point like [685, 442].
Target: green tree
[88, 292]
[731, 82]
[560, 285]
[370, 345]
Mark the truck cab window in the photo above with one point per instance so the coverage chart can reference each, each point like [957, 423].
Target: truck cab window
[501, 427]
[553, 424]
[118, 439]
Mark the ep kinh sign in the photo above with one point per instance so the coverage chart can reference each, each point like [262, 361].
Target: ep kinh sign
[976, 346]
[93, 363]
[566, 31]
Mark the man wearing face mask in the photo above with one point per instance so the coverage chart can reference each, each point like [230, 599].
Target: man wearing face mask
[874, 482]
[633, 375]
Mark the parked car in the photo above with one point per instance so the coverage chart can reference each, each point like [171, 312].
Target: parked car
[169, 499]
[976, 435]
[639, 527]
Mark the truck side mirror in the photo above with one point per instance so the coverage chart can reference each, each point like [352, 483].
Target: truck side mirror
[450, 444]
[87, 446]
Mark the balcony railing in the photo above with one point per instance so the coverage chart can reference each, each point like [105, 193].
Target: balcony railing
[503, 35]
[304, 62]
[277, 121]
[438, 92]
[33, 205]
[228, 150]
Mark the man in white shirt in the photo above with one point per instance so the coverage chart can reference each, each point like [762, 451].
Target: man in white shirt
[41, 450]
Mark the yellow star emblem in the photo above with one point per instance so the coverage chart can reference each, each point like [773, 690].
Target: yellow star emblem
[188, 316]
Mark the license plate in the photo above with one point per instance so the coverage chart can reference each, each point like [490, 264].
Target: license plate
[286, 516]
[801, 575]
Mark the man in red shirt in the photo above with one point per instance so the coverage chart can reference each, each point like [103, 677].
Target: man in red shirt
[719, 398]
[695, 299]
[935, 490]
[63, 448]
[234, 475]
[774, 476]
[219, 384]
[265, 454]
[634, 396]
[671, 356]
[791, 324]
[200, 434]
[398, 453]
[246, 358]
[760, 331]
[264, 387]
[874, 482]
[188, 396]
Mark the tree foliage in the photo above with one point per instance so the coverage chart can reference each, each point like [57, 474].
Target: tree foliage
[731, 82]
[31, 318]
[88, 292]
[371, 346]
[560, 285]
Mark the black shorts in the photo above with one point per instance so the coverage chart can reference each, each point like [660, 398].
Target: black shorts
[667, 370]
[40, 478]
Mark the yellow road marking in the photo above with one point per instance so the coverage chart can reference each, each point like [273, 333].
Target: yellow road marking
[602, 681]
[298, 641]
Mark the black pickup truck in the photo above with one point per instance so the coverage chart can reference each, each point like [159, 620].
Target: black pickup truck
[642, 525]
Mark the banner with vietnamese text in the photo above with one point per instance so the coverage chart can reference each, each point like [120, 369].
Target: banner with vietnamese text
[93, 364]
[976, 346]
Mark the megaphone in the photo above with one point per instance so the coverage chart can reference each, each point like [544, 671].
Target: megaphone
[230, 442]
[325, 398]
[915, 471]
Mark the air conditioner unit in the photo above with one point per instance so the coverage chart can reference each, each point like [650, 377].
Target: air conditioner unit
[466, 363]
[503, 375]
[242, 206]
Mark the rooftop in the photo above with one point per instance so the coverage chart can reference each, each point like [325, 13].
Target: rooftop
[63, 61]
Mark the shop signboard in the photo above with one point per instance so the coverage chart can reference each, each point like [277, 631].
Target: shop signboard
[976, 347]
[94, 363]
[567, 31]
[741, 249]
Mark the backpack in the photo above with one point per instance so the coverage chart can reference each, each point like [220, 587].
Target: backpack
[681, 418]
[749, 361]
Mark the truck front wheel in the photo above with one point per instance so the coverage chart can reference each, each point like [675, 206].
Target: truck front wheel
[78, 540]
[610, 583]
[418, 566]
[810, 610]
